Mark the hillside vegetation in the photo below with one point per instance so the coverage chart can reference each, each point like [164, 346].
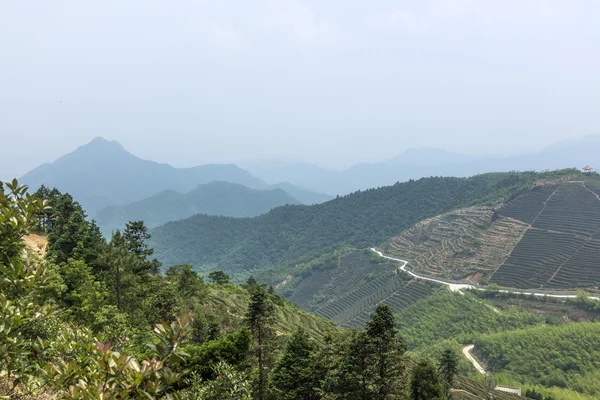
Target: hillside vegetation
[451, 315]
[361, 219]
[565, 356]
[94, 319]
[215, 198]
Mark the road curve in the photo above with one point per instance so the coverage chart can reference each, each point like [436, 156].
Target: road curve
[467, 352]
[459, 287]
[455, 287]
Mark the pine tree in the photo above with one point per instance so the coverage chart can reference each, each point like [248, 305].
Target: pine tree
[426, 383]
[296, 374]
[388, 351]
[68, 227]
[135, 235]
[355, 370]
[260, 319]
[448, 369]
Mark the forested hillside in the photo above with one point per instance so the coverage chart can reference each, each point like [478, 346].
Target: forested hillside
[215, 198]
[94, 319]
[361, 219]
[565, 356]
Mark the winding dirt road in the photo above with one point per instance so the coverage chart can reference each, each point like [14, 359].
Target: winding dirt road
[459, 287]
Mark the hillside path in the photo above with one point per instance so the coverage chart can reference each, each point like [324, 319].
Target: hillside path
[455, 287]
[459, 287]
[467, 352]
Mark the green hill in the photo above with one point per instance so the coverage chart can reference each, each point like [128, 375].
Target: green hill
[215, 198]
[548, 237]
[287, 234]
[458, 317]
[565, 356]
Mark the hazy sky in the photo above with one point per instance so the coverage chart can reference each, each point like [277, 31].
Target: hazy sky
[328, 81]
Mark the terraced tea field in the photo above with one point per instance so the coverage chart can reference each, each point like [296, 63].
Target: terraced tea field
[547, 238]
[459, 245]
[561, 248]
[349, 293]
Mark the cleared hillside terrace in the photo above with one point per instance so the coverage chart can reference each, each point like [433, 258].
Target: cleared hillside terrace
[466, 244]
[349, 293]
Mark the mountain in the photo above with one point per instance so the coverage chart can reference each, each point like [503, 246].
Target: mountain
[215, 198]
[290, 233]
[302, 195]
[425, 157]
[102, 173]
[424, 162]
[299, 173]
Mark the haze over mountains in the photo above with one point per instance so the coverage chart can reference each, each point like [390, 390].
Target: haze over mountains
[115, 186]
[424, 162]
[102, 173]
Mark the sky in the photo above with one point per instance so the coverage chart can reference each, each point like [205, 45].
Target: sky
[331, 82]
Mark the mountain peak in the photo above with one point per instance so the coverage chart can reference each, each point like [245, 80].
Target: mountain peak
[100, 142]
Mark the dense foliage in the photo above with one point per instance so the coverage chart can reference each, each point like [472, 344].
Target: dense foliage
[73, 326]
[362, 219]
[454, 316]
[566, 356]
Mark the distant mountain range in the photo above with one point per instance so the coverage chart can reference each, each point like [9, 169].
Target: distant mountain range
[425, 162]
[215, 198]
[103, 174]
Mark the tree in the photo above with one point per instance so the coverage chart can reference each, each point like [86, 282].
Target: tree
[448, 368]
[219, 277]
[22, 282]
[135, 237]
[426, 383]
[229, 384]
[136, 234]
[296, 374]
[251, 283]
[260, 318]
[355, 369]
[68, 228]
[187, 281]
[388, 351]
